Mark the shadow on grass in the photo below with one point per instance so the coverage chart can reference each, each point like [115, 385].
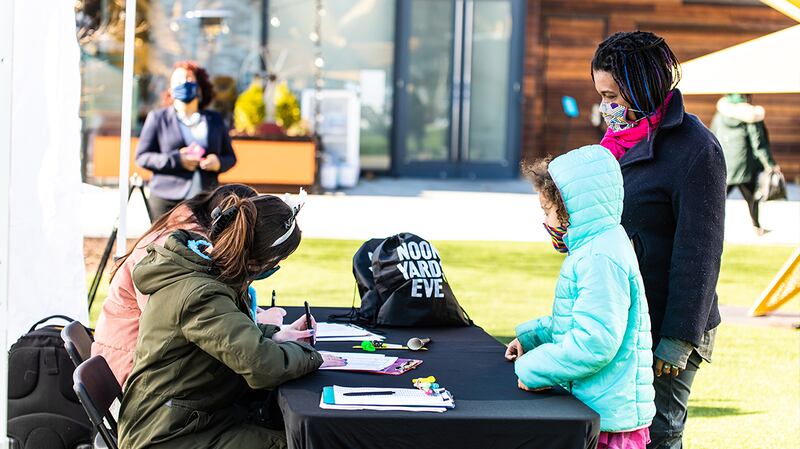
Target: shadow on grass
[700, 411]
[718, 408]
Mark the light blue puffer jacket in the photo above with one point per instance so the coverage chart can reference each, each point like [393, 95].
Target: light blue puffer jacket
[597, 342]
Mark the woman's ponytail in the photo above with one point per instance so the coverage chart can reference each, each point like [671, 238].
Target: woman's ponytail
[232, 231]
[244, 232]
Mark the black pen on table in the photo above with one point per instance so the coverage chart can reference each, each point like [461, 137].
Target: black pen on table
[274, 297]
[369, 393]
[308, 321]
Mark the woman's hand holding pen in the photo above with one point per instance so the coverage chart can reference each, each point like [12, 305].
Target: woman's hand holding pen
[297, 331]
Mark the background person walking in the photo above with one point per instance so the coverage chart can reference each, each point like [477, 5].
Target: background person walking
[739, 127]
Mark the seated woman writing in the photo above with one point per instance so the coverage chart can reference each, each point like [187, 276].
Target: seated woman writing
[118, 325]
[199, 353]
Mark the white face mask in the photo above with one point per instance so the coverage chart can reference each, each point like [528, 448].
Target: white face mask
[616, 116]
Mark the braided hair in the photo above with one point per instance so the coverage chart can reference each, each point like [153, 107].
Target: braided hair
[642, 64]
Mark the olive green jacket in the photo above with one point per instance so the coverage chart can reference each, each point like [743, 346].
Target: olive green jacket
[198, 355]
[741, 132]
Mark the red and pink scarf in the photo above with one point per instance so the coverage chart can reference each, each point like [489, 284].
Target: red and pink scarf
[618, 143]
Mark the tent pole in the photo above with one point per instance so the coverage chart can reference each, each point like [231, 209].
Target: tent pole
[125, 128]
[6, 89]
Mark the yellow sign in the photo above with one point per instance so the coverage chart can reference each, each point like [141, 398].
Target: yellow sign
[784, 287]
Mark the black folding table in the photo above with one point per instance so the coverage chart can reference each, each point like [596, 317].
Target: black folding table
[491, 412]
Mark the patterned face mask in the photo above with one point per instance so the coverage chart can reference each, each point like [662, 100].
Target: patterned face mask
[616, 116]
[557, 236]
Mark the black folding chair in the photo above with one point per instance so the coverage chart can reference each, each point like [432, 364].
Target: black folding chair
[96, 387]
[77, 341]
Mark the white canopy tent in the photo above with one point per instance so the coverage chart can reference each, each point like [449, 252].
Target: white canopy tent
[768, 64]
[41, 250]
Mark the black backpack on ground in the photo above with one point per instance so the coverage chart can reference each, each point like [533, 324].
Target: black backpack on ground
[43, 410]
[401, 283]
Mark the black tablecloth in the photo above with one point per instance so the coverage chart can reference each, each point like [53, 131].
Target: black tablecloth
[491, 412]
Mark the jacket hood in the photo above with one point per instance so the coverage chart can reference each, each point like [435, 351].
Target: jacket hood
[741, 112]
[590, 182]
[174, 261]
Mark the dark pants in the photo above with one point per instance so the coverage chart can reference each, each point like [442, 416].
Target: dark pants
[748, 192]
[672, 403]
[160, 206]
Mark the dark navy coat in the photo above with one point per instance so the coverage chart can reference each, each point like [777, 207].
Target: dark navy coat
[674, 211]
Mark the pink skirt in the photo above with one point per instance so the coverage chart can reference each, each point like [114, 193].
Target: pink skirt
[636, 439]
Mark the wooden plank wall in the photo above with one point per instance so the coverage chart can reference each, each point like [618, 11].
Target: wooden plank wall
[561, 38]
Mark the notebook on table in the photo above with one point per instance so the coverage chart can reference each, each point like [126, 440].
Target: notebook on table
[370, 398]
[373, 363]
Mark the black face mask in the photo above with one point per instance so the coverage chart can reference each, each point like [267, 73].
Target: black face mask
[265, 274]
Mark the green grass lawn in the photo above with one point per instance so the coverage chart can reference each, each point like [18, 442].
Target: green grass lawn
[748, 398]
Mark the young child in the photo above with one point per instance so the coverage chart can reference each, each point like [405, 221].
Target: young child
[597, 341]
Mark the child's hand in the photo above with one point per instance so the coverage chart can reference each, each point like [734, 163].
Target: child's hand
[514, 350]
[522, 386]
[663, 367]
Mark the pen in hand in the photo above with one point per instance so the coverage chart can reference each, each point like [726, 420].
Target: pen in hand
[308, 322]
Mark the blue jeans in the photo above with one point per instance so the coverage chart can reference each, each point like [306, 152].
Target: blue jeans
[672, 402]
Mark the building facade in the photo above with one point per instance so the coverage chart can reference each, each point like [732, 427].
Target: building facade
[447, 88]
[561, 37]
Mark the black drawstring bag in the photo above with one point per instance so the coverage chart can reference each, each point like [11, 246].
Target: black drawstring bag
[401, 283]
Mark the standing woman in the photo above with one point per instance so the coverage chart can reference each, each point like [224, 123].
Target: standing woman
[674, 211]
[185, 145]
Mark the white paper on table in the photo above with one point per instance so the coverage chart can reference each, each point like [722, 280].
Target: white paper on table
[341, 330]
[403, 397]
[325, 406]
[344, 332]
[361, 361]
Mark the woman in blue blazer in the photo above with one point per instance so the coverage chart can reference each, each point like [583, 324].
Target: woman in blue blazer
[185, 145]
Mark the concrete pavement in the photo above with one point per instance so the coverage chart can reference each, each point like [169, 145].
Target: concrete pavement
[441, 210]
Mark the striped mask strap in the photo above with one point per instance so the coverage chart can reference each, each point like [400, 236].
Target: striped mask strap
[557, 236]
